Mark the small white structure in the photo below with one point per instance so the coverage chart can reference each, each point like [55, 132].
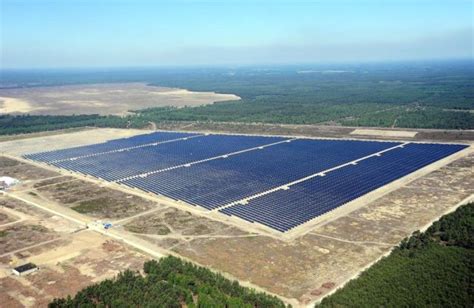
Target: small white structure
[25, 269]
[7, 182]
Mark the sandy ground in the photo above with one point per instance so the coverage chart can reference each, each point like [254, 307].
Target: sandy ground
[65, 140]
[301, 269]
[385, 133]
[69, 256]
[41, 134]
[14, 105]
[102, 99]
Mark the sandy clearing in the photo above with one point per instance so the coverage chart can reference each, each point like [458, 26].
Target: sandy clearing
[14, 105]
[104, 99]
[385, 133]
[66, 140]
[79, 242]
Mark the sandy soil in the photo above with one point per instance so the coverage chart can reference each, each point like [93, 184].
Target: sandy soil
[14, 105]
[65, 140]
[22, 171]
[41, 134]
[385, 133]
[88, 198]
[69, 257]
[102, 99]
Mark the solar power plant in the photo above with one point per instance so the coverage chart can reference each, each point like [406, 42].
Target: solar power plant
[277, 182]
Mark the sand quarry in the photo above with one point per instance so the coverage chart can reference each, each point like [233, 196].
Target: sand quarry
[104, 99]
[53, 219]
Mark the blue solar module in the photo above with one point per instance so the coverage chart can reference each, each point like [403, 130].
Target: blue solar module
[119, 165]
[283, 210]
[218, 182]
[213, 171]
[107, 146]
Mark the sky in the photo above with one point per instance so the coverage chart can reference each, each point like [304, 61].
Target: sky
[120, 33]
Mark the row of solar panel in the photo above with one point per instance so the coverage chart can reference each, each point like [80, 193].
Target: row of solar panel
[111, 145]
[218, 182]
[285, 209]
[123, 164]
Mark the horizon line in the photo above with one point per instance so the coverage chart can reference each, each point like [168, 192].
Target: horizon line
[234, 65]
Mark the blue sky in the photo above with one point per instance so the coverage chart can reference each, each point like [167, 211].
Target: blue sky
[86, 33]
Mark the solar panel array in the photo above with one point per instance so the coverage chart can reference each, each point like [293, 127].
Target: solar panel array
[121, 164]
[285, 209]
[274, 181]
[218, 182]
[112, 145]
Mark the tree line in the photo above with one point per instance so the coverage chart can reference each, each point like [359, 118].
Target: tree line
[168, 282]
[429, 269]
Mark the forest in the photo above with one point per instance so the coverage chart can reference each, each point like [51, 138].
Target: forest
[407, 95]
[169, 282]
[430, 269]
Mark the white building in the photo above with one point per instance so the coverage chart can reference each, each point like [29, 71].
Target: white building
[7, 182]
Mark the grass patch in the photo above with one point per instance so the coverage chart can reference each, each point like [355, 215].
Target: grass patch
[91, 206]
[38, 228]
[159, 229]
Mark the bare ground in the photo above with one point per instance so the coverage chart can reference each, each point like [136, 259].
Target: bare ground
[69, 258]
[23, 171]
[20, 236]
[4, 219]
[93, 200]
[114, 98]
[63, 139]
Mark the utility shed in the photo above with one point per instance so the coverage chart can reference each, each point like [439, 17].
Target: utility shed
[25, 269]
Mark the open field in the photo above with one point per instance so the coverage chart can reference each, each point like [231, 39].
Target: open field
[300, 269]
[58, 141]
[18, 236]
[385, 133]
[69, 256]
[14, 105]
[101, 99]
[87, 198]
[23, 171]
[41, 134]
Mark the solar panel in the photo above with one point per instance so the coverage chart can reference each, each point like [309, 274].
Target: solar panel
[111, 145]
[122, 164]
[285, 182]
[218, 182]
[285, 209]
